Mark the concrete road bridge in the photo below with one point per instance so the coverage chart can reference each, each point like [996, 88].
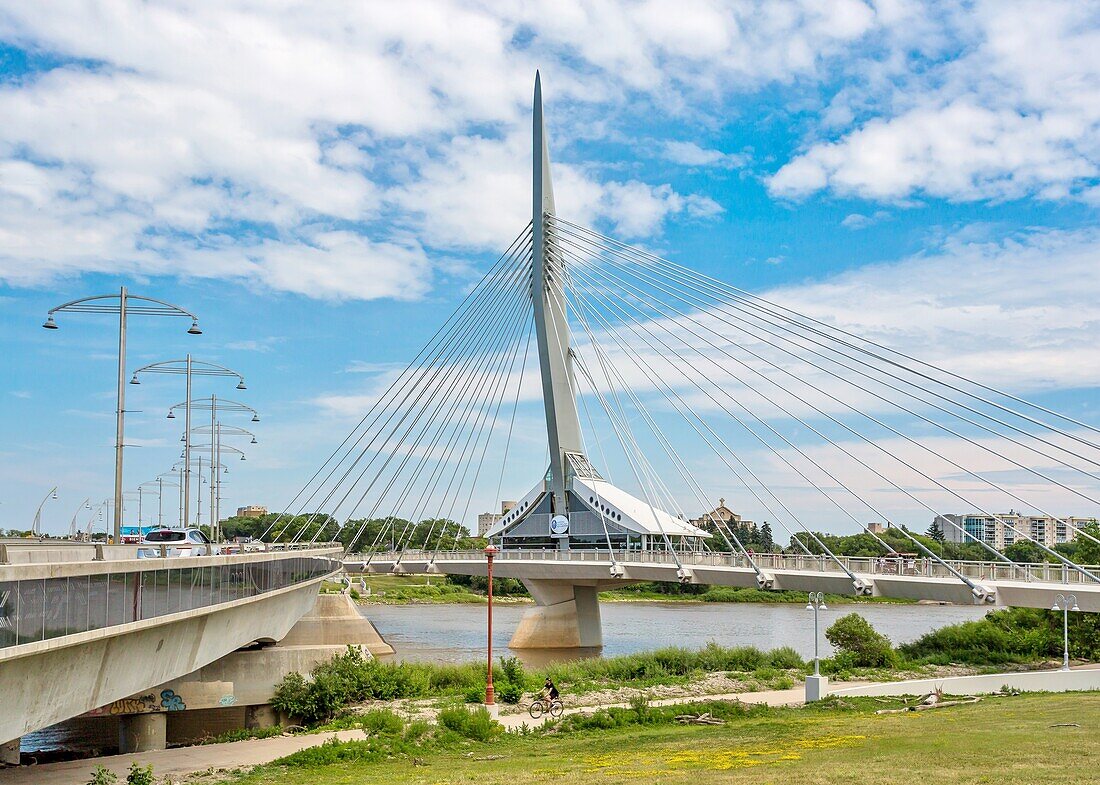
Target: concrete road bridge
[83, 625]
[565, 584]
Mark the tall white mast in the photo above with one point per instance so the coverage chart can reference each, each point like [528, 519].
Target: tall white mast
[551, 324]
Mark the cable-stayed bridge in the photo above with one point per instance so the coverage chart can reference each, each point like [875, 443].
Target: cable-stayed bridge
[661, 386]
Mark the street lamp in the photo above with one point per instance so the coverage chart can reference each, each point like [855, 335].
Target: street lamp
[121, 304]
[189, 368]
[1062, 603]
[84, 505]
[38, 514]
[816, 604]
[490, 698]
[214, 405]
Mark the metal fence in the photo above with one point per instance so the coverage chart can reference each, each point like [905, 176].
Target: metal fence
[95, 595]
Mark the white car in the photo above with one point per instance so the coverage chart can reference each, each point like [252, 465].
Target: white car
[176, 543]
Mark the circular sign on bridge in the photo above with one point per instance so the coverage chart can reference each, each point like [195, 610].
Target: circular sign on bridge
[559, 526]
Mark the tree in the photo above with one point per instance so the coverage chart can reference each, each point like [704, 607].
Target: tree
[1025, 552]
[935, 531]
[853, 636]
[1087, 551]
[767, 544]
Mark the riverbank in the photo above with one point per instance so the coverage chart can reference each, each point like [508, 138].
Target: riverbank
[426, 589]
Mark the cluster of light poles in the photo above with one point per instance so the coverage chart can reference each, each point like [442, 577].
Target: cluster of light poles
[125, 304]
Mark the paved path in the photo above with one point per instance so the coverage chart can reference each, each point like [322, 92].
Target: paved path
[792, 697]
[175, 762]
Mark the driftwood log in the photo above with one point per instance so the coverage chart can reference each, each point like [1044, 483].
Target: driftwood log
[699, 719]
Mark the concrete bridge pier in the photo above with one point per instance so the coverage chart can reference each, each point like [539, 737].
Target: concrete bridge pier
[143, 732]
[566, 616]
[9, 753]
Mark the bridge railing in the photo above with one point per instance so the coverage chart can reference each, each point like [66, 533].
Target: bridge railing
[861, 565]
[41, 601]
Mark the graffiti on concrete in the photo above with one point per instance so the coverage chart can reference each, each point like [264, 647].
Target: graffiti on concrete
[141, 704]
[227, 700]
[170, 701]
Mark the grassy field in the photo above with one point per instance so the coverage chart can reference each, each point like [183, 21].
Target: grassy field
[1007, 741]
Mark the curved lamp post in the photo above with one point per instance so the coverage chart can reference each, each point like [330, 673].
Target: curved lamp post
[188, 367]
[124, 304]
[38, 513]
[84, 505]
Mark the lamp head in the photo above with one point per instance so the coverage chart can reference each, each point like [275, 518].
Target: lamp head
[1056, 606]
[823, 606]
[194, 328]
[1075, 607]
[53, 495]
[809, 607]
[254, 440]
[242, 457]
[134, 379]
[241, 385]
[50, 324]
[255, 418]
[171, 415]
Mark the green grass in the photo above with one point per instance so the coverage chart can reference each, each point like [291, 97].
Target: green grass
[1007, 741]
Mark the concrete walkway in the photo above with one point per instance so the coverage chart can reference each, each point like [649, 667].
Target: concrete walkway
[173, 763]
[792, 697]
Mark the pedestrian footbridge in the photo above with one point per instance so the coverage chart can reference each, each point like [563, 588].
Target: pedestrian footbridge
[83, 625]
[564, 584]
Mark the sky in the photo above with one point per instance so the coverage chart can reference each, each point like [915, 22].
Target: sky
[321, 184]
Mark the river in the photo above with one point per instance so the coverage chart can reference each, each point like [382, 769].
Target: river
[456, 633]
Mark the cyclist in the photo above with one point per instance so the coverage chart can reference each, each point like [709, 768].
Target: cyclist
[549, 691]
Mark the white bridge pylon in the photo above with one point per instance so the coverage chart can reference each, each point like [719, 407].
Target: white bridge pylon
[573, 500]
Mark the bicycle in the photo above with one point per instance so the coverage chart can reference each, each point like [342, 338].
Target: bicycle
[540, 705]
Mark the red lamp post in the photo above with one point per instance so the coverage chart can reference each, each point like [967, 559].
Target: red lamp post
[490, 552]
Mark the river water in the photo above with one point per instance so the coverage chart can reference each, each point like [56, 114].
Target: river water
[456, 633]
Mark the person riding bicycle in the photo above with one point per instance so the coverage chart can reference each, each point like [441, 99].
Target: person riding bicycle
[549, 691]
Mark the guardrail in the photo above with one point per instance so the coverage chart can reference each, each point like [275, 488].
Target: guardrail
[40, 601]
[862, 565]
[29, 551]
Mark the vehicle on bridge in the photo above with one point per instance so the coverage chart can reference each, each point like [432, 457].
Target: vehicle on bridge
[176, 543]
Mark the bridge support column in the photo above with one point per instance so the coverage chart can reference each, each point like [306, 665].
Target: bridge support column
[143, 732]
[262, 716]
[9, 753]
[566, 616]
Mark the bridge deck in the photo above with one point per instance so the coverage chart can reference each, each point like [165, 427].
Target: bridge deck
[1025, 585]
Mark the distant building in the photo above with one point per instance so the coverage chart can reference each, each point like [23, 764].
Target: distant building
[1003, 529]
[251, 511]
[876, 528]
[720, 515]
[487, 520]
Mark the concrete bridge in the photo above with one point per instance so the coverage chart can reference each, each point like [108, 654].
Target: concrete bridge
[82, 626]
[564, 584]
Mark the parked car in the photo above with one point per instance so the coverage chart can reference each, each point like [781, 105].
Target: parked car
[176, 542]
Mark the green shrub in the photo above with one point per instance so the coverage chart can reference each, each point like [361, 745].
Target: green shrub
[103, 776]
[852, 634]
[382, 721]
[1007, 636]
[476, 724]
[474, 695]
[140, 775]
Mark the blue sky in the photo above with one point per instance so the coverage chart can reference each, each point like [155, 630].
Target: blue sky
[320, 187]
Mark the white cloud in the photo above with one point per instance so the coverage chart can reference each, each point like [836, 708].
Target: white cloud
[691, 154]
[856, 221]
[1015, 115]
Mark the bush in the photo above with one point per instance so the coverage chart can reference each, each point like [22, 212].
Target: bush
[382, 721]
[1008, 636]
[140, 775]
[476, 724]
[853, 635]
[103, 776]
